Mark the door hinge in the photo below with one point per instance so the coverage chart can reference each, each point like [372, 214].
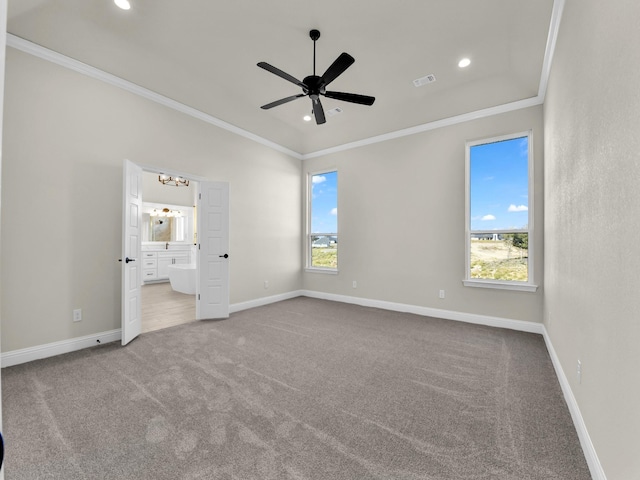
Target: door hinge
[199, 196]
[198, 296]
[198, 246]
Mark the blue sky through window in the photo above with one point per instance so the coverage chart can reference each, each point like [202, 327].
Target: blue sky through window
[499, 184]
[324, 203]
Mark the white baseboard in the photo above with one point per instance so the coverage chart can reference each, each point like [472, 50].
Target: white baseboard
[520, 325]
[16, 357]
[259, 302]
[597, 473]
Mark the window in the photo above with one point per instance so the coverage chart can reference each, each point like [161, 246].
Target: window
[322, 237]
[499, 233]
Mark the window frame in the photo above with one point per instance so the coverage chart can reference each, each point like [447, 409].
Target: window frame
[529, 285]
[309, 234]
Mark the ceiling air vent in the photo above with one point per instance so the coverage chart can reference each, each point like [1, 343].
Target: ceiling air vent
[334, 111]
[418, 82]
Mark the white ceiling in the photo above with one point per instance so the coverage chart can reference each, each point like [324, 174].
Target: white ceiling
[203, 53]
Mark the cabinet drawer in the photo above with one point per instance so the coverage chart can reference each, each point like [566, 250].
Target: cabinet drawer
[148, 274]
[149, 254]
[149, 263]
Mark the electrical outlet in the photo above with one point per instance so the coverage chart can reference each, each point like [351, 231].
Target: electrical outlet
[266, 284]
[441, 294]
[579, 371]
[77, 315]
[355, 284]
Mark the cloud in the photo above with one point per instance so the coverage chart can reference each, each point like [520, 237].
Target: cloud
[524, 146]
[334, 211]
[518, 208]
[318, 179]
[488, 217]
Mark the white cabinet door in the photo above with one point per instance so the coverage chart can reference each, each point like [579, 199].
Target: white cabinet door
[163, 266]
[181, 258]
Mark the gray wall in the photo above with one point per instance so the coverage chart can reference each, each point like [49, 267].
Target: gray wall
[67, 134]
[65, 138]
[592, 221]
[401, 220]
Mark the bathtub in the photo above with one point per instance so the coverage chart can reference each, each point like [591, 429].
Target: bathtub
[183, 278]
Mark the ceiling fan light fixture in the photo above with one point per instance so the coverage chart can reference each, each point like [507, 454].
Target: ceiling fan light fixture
[465, 62]
[123, 4]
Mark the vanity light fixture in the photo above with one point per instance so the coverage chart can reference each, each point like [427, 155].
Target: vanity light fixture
[165, 212]
[175, 181]
[123, 4]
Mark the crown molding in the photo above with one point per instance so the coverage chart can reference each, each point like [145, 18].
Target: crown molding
[68, 62]
[54, 57]
[554, 28]
[445, 122]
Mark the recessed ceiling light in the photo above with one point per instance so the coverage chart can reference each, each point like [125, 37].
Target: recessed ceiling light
[307, 118]
[465, 62]
[123, 4]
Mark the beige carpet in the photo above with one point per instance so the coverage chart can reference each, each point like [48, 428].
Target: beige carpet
[301, 389]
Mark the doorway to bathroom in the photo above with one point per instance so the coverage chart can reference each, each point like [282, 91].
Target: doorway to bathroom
[174, 249]
[168, 242]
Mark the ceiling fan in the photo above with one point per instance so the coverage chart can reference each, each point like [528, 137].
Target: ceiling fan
[313, 86]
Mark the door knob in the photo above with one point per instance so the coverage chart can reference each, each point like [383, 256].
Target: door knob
[226, 255]
[127, 260]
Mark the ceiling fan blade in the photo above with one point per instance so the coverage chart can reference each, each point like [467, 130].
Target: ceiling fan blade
[281, 101]
[318, 111]
[281, 74]
[340, 64]
[351, 97]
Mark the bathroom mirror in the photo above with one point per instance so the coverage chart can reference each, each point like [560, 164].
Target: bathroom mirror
[167, 223]
[167, 229]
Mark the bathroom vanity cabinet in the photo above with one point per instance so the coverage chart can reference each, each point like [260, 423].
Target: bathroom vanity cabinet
[170, 258]
[156, 260]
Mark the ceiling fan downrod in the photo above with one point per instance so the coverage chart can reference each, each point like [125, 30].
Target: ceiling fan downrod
[315, 35]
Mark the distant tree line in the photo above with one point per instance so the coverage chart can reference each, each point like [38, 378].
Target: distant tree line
[518, 240]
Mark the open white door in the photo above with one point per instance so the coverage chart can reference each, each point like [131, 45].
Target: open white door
[131, 262]
[212, 288]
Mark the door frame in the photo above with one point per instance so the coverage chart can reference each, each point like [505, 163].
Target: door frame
[157, 171]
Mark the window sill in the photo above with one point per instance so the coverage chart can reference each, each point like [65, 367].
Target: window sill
[327, 271]
[521, 287]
